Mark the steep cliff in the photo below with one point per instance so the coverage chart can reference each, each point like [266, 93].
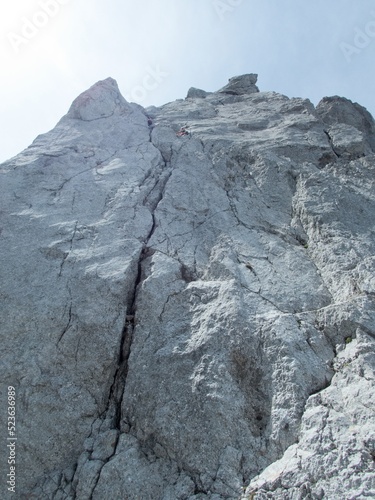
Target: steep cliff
[188, 299]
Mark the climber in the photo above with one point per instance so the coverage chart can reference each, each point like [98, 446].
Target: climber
[149, 121]
[182, 132]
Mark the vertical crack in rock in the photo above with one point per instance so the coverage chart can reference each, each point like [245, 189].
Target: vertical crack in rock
[113, 409]
[66, 255]
[331, 144]
[68, 325]
[151, 201]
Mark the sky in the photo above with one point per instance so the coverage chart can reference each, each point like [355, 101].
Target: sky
[52, 50]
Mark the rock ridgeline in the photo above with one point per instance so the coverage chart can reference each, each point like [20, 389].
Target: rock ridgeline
[192, 315]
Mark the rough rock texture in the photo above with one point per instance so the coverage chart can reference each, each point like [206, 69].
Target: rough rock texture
[194, 92]
[192, 317]
[240, 85]
[336, 111]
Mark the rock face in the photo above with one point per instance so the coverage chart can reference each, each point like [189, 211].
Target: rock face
[192, 316]
[240, 85]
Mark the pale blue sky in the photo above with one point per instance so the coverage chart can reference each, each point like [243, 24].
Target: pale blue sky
[52, 50]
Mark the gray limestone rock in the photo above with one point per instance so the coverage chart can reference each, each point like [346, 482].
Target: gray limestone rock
[192, 316]
[339, 110]
[334, 454]
[240, 85]
[194, 92]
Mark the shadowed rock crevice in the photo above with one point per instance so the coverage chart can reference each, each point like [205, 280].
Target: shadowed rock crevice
[113, 411]
[250, 375]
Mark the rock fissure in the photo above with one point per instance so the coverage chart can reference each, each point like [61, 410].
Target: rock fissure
[118, 386]
[66, 254]
[66, 181]
[69, 323]
[330, 140]
[117, 389]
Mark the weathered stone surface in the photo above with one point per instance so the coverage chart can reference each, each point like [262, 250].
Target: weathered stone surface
[194, 92]
[239, 85]
[339, 110]
[334, 457]
[192, 314]
[348, 141]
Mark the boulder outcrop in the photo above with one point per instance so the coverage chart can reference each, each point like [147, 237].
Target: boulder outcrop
[191, 316]
[240, 85]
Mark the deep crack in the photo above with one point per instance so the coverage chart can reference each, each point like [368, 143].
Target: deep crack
[130, 320]
[116, 392]
[331, 143]
[66, 255]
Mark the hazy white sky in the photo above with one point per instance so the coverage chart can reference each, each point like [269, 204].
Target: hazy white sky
[52, 50]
